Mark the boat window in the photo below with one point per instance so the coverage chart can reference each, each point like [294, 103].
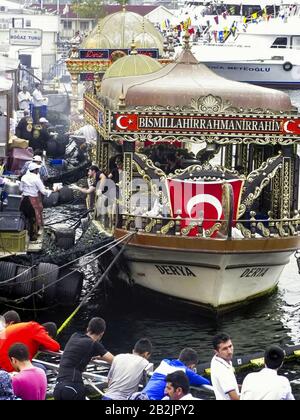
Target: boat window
[296, 42]
[280, 42]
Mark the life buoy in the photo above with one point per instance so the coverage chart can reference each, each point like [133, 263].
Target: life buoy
[287, 66]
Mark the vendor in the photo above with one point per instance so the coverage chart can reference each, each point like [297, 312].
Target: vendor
[31, 205]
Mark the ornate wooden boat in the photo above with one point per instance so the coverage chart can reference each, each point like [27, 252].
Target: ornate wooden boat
[218, 232]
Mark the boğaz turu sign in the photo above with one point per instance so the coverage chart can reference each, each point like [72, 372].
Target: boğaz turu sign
[193, 124]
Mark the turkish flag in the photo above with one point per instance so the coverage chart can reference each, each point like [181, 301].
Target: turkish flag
[291, 126]
[126, 122]
[201, 200]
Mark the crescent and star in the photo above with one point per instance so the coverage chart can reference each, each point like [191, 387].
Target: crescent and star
[205, 198]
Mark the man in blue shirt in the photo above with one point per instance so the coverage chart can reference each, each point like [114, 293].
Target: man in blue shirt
[186, 362]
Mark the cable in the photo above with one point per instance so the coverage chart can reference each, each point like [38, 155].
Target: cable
[69, 319]
[63, 266]
[23, 299]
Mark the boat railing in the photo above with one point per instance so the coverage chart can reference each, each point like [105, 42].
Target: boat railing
[240, 229]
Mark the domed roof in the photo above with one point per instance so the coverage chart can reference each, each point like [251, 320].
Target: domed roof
[184, 80]
[132, 65]
[119, 29]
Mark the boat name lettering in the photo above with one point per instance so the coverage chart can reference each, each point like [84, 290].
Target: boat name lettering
[196, 124]
[255, 272]
[240, 68]
[175, 270]
[208, 124]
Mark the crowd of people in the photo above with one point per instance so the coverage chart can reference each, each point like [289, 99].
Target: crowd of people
[128, 377]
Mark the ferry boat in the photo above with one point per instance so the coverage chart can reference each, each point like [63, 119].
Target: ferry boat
[264, 52]
[212, 235]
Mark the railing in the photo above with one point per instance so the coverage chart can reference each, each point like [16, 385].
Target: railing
[243, 229]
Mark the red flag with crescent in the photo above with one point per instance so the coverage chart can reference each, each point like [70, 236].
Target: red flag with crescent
[197, 201]
[291, 126]
[126, 122]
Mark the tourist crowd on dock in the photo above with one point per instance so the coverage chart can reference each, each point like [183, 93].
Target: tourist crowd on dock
[131, 375]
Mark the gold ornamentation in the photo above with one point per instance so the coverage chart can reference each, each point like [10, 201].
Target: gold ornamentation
[245, 232]
[265, 231]
[212, 105]
[213, 229]
[186, 230]
[150, 226]
[165, 229]
[249, 200]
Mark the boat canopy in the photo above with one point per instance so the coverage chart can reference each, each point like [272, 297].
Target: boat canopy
[174, 89]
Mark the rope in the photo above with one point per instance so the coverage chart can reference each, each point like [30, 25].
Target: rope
[52, 271]
[69, 319]
[23, 299]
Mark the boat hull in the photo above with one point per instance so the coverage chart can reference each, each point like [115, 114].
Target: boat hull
[218, 279]
[259, 73]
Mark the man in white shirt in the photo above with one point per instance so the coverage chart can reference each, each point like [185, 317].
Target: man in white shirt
[31, 206]
[222, 372]
[267, 384]
[38, 100]
[24, 99]
[126, 372]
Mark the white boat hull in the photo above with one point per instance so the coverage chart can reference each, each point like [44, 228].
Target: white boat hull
[217, 275]
[208, 280]
[259, 73]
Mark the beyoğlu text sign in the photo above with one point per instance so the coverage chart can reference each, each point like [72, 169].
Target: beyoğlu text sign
[204, 124]
[30, 37]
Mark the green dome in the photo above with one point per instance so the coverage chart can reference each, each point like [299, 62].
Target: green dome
[133, 65]
[119, 29]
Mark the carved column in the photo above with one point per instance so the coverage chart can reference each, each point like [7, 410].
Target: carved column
[102, 155]
[228, 157]
[127, 181]
[286, 188]
[75, 98]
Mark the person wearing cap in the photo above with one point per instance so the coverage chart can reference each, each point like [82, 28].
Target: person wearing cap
[41, 135]
[43, 172]
[32, 187]
[267, 384]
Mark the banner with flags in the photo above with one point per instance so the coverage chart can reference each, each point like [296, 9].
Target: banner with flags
[200, 200]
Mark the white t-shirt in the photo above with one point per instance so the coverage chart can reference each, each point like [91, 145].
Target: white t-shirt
[222, 378]
[266, 385]
[125, 375]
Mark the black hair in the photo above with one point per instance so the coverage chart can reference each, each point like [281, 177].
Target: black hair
[188, 356]
[51, 328]
[96, 326]
[38, 152]
[19, 351]
[143, 346]
[179, 379]
[94, 168]
[218, 339]
[274, 356]
[11, 317]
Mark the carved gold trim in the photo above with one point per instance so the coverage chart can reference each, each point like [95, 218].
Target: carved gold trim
[165, 229]
[245, 232]
[213, 229]
[150, 226]
[265, 231]
[186, 230]
[249, 200]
